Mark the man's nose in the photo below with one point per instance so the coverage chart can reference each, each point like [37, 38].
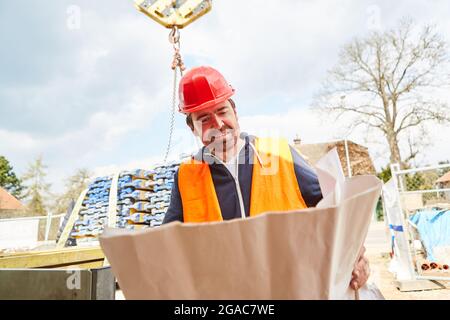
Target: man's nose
[216, 121]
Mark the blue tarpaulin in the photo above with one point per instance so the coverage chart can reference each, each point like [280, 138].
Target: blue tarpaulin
[434, 228]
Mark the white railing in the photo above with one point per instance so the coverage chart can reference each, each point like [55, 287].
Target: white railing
[25, 231]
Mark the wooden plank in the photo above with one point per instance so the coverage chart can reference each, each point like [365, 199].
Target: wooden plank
[417, 285]
[71, 221]
[112, 206]
[83, 265]
[48, 258]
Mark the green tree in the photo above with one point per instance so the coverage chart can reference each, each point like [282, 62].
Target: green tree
[9, 180]
[417, 181]
[37, 188]
[385, 174]
[75, 184]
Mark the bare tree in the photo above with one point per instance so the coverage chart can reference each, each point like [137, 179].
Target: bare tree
[386, 80]
[75, 184]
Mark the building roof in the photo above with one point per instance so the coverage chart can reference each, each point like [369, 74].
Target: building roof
[9, 202]
[359, 157]
[444, 178]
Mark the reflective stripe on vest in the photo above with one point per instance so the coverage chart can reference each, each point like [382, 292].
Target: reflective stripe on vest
[274, 184]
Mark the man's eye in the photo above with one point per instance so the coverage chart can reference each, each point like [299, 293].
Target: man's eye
[204, 120]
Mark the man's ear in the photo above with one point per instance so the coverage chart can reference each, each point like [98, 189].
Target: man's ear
[233, 106]
[190, 123]
[191, 126]
[236, 114]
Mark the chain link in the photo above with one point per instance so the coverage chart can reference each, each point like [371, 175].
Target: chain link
[177, 63]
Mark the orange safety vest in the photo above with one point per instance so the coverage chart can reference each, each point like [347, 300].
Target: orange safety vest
[274, 184]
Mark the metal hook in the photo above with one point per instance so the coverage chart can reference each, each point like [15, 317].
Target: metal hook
[174, 36]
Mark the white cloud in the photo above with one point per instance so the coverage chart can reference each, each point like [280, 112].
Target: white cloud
[18, 141]
[301, 122]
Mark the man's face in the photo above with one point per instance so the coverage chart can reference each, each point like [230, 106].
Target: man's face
[217, 127]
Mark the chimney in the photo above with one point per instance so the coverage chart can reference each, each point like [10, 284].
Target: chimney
[297, 141]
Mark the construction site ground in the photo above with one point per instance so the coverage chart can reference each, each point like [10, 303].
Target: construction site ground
[377, 251]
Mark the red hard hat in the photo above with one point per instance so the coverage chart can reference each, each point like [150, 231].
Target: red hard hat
[201, 88]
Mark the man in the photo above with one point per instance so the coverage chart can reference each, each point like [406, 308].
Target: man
[236, 175]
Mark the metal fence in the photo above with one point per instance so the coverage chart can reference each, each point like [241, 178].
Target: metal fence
[417, 207]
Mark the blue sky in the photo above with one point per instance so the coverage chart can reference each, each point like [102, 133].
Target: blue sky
[88, 83]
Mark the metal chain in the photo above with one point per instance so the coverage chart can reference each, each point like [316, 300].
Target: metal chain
[177, 63]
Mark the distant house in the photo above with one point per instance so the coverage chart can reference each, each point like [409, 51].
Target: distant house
[8, 201]
[444, 181]
[358, 158]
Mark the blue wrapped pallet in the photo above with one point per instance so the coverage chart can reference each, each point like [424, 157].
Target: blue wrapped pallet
[143, 197]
